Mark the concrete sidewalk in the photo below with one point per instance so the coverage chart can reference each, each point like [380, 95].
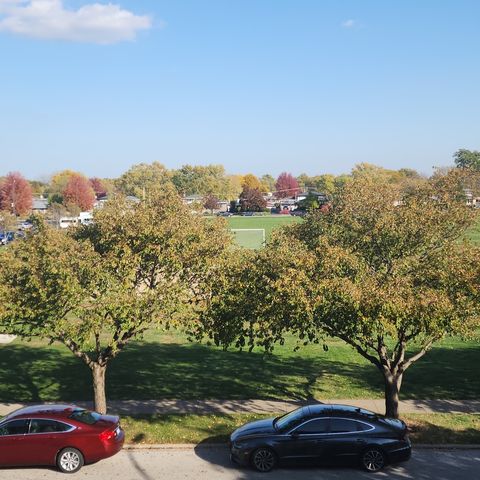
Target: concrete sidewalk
[201, 407]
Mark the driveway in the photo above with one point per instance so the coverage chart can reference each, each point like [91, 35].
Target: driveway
[208, 463]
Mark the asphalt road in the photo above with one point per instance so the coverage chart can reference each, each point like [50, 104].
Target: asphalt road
[207, 463]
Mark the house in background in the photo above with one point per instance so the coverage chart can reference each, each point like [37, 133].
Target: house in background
[39, 205]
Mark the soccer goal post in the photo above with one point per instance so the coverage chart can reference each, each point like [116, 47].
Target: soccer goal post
[249, 237]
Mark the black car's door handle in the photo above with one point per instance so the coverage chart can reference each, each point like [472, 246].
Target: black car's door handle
[359, 440]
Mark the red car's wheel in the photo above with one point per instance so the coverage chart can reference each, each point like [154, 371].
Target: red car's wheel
[70, 460]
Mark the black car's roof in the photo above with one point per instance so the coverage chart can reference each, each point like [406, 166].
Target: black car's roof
[335, 409]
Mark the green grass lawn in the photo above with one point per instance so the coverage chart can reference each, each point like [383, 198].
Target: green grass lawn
[474, 233]
[438, 428]
[168, 366]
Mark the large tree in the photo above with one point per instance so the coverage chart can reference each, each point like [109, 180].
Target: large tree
[203, 180]
[384, 272]
[98, 187]
[15, 194]
[211, 202]
[252, 200]
[286, 185]
[251, 181]
[78, 192]
[97, 287]
[467, 159]
[268, 183]
[143, 179]
[57, 185]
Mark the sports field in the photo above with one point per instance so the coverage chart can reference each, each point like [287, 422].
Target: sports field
[252, 236]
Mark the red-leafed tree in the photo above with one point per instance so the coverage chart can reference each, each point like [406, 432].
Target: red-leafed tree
[251, 200]
[98, 187]
[286, 185]
[79, 192]
[210, 202]
[15, 194]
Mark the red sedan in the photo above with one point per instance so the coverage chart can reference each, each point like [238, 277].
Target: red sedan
[63, 435]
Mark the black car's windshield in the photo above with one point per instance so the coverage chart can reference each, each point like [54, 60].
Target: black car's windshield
[289, 420]
[85, 416]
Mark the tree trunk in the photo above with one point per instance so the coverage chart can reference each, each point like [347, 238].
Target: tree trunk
[392, 390]
[100, 399]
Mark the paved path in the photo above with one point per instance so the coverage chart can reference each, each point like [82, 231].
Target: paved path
[208, 464]
[7, 338]
[138, 407]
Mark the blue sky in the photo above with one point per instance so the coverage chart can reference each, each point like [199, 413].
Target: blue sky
[260, 86]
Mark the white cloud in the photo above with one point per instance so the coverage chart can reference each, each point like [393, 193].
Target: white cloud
[350, 23]
[91, 23]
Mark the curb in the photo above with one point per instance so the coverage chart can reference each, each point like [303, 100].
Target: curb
[193, 446]
[446, 446]
[174, 446]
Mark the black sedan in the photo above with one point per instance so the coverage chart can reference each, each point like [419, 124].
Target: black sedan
[322, 434]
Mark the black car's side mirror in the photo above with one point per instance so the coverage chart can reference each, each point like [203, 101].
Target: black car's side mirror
[294, 434]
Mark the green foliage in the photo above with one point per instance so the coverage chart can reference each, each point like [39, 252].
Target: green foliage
[203, 180]
[325, 183]
[309, 203]
[268, 183]
[143, 180]
[467, 159]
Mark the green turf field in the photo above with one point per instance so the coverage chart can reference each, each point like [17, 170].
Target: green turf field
[168, 366]
[254, 239]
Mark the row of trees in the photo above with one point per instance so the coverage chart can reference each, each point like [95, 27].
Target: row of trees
[384, 270]
[70, 189]
[74, 192]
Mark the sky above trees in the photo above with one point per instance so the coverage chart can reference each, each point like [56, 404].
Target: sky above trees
[260, 86]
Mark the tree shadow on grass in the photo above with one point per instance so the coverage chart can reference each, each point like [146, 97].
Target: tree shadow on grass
[444, 372]
[29, 374]
[151, 370]
[193, 371]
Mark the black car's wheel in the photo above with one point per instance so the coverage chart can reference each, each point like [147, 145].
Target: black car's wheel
[263, 459]
[373, 459]
[70, 460]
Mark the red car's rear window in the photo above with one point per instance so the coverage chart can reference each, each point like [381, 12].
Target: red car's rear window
[85, 416]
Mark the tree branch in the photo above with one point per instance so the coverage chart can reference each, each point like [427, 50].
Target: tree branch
[360, 350]
[75, 349]
[417, 356]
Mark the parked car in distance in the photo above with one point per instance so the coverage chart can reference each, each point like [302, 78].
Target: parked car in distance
[298, 213]
[322, 435]
[25, 225]
[63, 435]
[6, 237]
[224, 214]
